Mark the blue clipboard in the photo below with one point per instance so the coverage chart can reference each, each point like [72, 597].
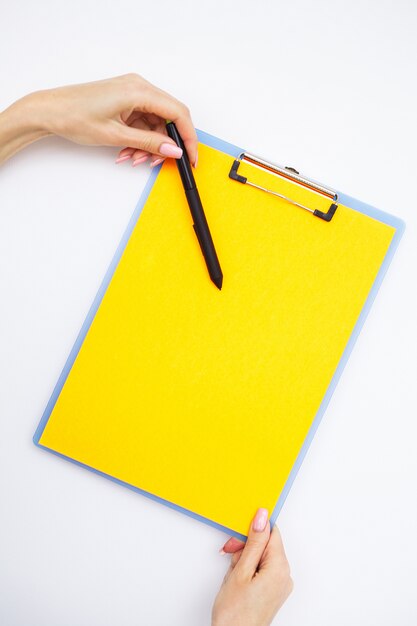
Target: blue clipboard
[344, 199]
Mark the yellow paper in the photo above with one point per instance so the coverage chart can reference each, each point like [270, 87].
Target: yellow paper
[204, 397]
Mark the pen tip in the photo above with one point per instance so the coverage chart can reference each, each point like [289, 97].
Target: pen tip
[218, 281]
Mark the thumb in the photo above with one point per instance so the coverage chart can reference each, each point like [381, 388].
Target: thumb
[255, 545]
[149, 141]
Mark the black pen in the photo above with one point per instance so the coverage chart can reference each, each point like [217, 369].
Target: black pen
[200, 223]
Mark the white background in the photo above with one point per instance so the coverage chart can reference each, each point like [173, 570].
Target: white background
[326, 86]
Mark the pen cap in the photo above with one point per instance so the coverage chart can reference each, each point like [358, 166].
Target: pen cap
[183, 163]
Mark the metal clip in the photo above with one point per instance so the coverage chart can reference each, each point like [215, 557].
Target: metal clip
[289, 173]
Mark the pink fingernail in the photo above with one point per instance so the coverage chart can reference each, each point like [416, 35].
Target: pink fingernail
[123, 158]
[169, 150]
[260, 521]
[221, 551]
[156, 162]
[140, 160]
[196, 159]
[233, 544]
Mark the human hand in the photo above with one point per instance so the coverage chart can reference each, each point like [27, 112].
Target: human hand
[123, 111]
[258, 580]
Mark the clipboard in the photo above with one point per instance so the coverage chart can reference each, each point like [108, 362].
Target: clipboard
[207, 401]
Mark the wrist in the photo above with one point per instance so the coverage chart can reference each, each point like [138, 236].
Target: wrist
[32, 113]
[22, 123]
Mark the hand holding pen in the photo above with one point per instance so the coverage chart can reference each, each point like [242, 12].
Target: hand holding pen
[122, 111]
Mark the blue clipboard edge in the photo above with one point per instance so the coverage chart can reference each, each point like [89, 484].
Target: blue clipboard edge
[234, 151]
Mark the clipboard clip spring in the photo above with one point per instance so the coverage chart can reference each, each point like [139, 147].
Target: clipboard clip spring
[289, 173]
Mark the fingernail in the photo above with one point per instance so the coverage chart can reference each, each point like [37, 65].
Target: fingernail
[260, 521]
[140, 160]
[221, 551]
[232, 545]
[169, 150]
[123, 158]
[196, 159]
[156, 162]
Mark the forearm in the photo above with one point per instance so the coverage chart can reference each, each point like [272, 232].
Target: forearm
[22, 123]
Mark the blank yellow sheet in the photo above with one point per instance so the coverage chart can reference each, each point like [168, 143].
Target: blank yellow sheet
[204, 397]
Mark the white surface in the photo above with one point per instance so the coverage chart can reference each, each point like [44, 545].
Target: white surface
[325, 86]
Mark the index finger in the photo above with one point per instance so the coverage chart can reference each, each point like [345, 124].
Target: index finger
[169, 108]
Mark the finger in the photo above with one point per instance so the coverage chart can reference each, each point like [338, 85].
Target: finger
[126, 151]
[274, 563]
[167, 107]
[124, 155]
[154, 162]
[255, 545]
[139, 154]
[142, 159]
[232, 545]
[149, 122]
[148, 141]
[123, 158]
[274, 556]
